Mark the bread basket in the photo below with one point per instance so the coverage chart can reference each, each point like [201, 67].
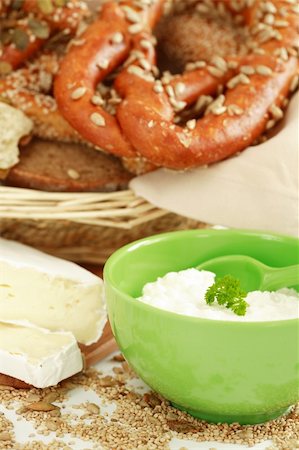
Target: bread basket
[82, 227]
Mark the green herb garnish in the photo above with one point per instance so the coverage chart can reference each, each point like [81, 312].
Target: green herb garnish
[227, 291]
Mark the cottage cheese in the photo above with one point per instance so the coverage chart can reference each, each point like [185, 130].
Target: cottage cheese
[184, 293]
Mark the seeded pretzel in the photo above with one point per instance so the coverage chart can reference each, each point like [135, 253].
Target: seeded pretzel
[101, 49]
[251, 103]
[30, 23]
[28, 89]
[145, 124]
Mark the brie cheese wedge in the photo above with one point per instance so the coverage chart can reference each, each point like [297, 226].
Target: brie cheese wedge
[39, 357]
[13, 125]
[48, 292]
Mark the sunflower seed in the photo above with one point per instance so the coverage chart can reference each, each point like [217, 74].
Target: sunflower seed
[220, 63]
[234, 110]
[93, 408]
[73, 174]
[215, 72]
[135, 28]
[97, 119]
[78, 93]
[103, 64]
[41, 406]
[97, 100]
[263, 70]
[191, 124]
[179, 89]
[276, 112]
[247, 70]
[294, 83]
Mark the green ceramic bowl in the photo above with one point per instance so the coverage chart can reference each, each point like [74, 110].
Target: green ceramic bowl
[219, 371]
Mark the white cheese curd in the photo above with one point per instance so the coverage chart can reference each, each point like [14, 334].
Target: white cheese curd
[184, 293]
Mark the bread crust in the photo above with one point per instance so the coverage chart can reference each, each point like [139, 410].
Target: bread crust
[52, 166]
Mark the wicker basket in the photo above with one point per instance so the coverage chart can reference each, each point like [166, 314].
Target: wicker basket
[82, 227]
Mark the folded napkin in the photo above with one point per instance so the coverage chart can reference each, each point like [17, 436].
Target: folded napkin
[258, 189]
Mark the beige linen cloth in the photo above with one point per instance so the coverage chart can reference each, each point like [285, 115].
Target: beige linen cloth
[257, 189]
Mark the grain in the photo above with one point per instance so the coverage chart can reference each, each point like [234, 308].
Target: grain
[140, 421]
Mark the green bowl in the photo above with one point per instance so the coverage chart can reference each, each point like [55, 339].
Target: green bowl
[219, 371]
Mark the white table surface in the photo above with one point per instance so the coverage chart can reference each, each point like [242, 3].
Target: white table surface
[23, 428]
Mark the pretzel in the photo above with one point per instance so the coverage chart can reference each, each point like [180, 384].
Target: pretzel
[29, 25]
[251, 103]
[28, 89]
[102, 48]
[255, 85]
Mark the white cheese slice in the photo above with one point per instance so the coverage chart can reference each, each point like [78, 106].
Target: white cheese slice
[13, 125]
[39, 357]
[50, 293]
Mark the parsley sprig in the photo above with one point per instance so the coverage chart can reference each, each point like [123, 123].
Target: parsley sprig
[227, 291]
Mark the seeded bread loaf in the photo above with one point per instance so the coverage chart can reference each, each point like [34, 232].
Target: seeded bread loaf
[52, 166]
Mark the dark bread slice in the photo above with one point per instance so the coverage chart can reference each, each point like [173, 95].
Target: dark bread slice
[5, 380]
[53, 166]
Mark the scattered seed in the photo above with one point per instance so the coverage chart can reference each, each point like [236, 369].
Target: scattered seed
[33, 398]
[93, 408]
[5, 436]
[118, 358]
[52, 396]
[41, 406]
[51, 425]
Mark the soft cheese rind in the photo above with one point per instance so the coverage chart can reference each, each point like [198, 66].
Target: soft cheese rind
[50, 293]
[13, 125]
[38, 357]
